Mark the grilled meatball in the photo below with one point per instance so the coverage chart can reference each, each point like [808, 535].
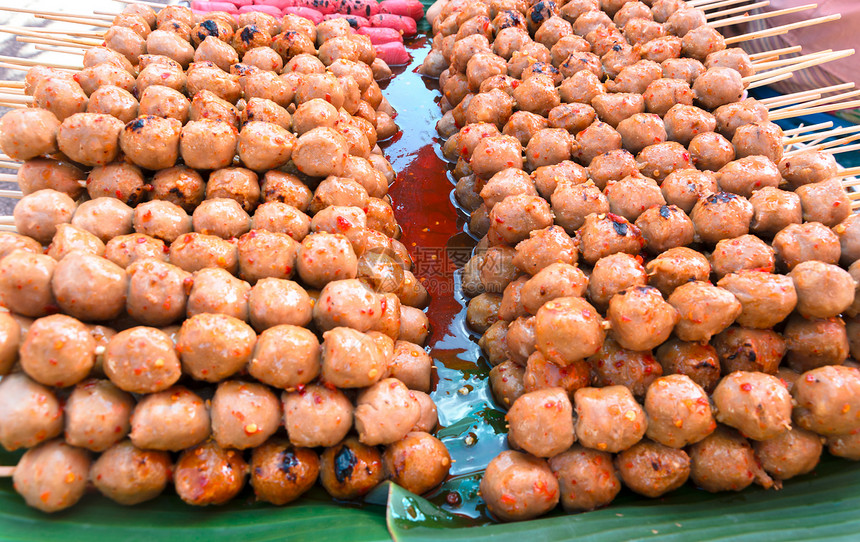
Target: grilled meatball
[791, 454]
[208, 474]
[350, 469]
[664, 227]
[612, 165]
[221, 217]
[215, 290]
[151, 142]
[418, 463]
[166, 43]
[208, 144]
[541, 422]
[661, 159]
[169, 420]
[602, 235]
[97, 415]
[678, 411]
[161, 220]
[742, 349]
[572, 202]
[632, 195]
[89, 138]
[710, 151]
[766, 299]
[519, 486]
[825, 202]
[613, 274]
[57, 351]
[651, 469]
[127, 249]
[542, 248]
[195, 251]
[559, 320]
[724, 461]
[721, 216]
[640, 130]
[755, 403]
[37, 215]
[316, 416]
[118, 180]
[385, 412]
[684, 122]
[587, 478]
[815, 342]
[30, 413]
[179, 185]
[746, 252]
[128, 475]
[40, 174]
[748, 175]
[141, 360]
[704, 310]
[506, 382]
[555, 280]
[823, 290]
[350, 359]
[682, 69]
[807, 167]
[62, 97]
[759, 138]
[697, 361]
[581, 87]
[156, 292]
[636, 77]
[640, 318]
[614, 365]
[264, 146]
[699, 42]
[25, 283]
[52, 476]
[281, 473]
[213, 347]
[797, 243]
[608, 419]
[74, 281]
[826, 400]
[684, 187]
[244, 415]
[614, 108]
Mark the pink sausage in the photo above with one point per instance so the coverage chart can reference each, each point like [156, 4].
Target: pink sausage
[364, 8]
[240, 3]
[206, 7]
[354, 20]
[280, 4]
[393, 53]
[325, 7]
[310, 14]
[408, 8]
[270, 10]
[379, 35]
[406, 25]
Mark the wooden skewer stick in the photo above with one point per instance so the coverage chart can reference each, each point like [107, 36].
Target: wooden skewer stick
[811, 110]
[141, 2]
[770, 80]
[42, 12]
[823, 145]
[29, 63]
[12, 91]
[60, 40]
[740, 9]
[88, 22]
[822, 101]
[107, 15]
[801, 99]
[11, 194]
[6, 472]
[817, 135]
[12, 84]
[51, 41]
[7, 220]
[758, 16]
[808, 128]
[34, 34]
[9, 165]
[8, 178]
[775, 53]
[822, 59]
[789, 61]
[74, 33]
[59, 49]
[13, 99]
[777, 30]
[12, 106]
[822, 90]
[706, 5]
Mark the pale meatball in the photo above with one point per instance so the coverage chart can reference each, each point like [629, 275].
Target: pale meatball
[286, 357]
[678, 410]
[608, 419]
[52, 476]
[30, 412]
[244, 414]
[562, 318]
[141, 360]
[385, 412]
[541, 422]
[756, 404]
[518, 486]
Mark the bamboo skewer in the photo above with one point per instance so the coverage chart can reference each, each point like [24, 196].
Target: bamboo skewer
[801, 99]
[9, 165]
[34, 34]
[8, 178]
[58, 49]
[30, 63]
[822, 101]
[827, 134]
[10, 98]
[7, 220]
[50, 41]
[12, 84]
[42, 12]
[777, 30]
[789, 61]
[12, 106]
[770, 80]
[822, 59]
[107, 15]
[11, 194]
[772, 102]
[759, 16]
[809, 111]
[809, 128]
[77, 19]
[6, 472]
[775, 53]
[150, 4]
[706, 5]
[740, 9]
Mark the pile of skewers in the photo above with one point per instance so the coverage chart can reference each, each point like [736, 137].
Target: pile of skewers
[666, 281]
[203, 223]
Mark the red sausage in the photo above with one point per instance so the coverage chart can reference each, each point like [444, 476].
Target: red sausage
[354, 21]
[406, 25]
[381, 35]
[408, 8]
[206, 7]
[270, 10]
[240, 3]
[325, 7]
[280, 4]
[393, 53]
[364, 8]
[310, 14]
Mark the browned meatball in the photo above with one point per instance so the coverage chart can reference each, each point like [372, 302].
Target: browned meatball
[208, 144]
[151, 142]
[350, 469]
[62, 97]
[651, 469]
[678, 411]
[683, 69]
[816, 342]
[141, 351]
[641, 130]
[129, 475]
[272, 366]
[179, 185]
[721, 216]
[97, 415]
[213, 347]
[515, 217]
[612, 165]
[541, 422]
[74, 281]
[208, 474]
[724, 461]
[825, 202]
[697, 361]
[542, 248]
[281, 473]
[587, 478]
[797, 243]
[350, 358]
[493, 154]
[756, 404]
[766, 299]
[613, 274]
[704, 310]
[732, 116]
[614, 108]
[40, 173]
[684, 187]
[244, 414]
[221, 217]
[30, 413]
[117, 180]
[57, 351]
[385, 412]
[169, 420]
[699, 42]
[823, 290]
[518, 486]
[826, 400]
[195, 251]
[747, 175]
[675, 267]
[562, 318]
[711, 151]
[206, 105]
[90, 139]
[608, 419]
[555, 280]
[506, 382]
[808, 167]
[640, 318]
[743, 349]
[759, 138]
[791, 454]
[684, 122]
[581, 87]
[602, 235]
[665, 227]
[597, 139]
